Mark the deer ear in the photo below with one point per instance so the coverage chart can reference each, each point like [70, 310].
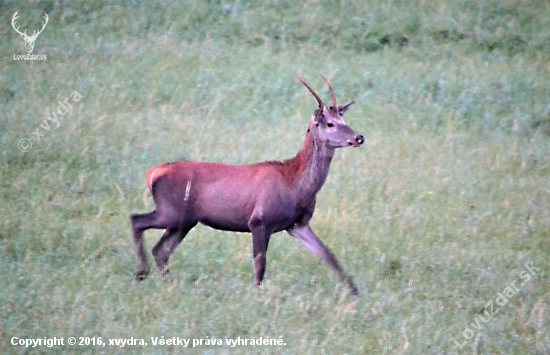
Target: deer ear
[344, 108]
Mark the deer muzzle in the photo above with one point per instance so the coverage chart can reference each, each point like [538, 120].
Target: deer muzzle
[359, 140]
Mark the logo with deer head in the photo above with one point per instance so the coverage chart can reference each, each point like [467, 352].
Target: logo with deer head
[29, 40]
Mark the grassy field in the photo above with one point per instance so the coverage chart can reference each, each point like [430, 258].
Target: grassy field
[442, 218]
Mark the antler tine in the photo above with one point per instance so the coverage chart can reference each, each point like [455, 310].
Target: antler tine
[331, 91]
[15, 17]
[310, 90]
[43, 25]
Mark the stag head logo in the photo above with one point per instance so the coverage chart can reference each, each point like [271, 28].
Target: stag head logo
[29, 40]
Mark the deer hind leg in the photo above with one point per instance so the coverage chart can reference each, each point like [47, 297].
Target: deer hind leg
[305, 235]
[169, 241]
[140, 223]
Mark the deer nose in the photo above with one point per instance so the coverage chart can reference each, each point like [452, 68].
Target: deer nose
[360, 139]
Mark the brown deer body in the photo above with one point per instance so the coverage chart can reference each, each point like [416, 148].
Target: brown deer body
[262, 198]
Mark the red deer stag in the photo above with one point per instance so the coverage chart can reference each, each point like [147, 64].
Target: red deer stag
[262, 198]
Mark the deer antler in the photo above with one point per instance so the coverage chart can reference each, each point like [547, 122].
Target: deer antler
[13, 25]
[34, 36]
[24, 35]
[331, 91]
[311, 90]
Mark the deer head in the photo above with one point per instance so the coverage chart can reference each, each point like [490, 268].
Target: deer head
[29, 40]
[327, 121]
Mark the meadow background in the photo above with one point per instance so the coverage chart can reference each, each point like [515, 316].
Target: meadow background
[434, 216]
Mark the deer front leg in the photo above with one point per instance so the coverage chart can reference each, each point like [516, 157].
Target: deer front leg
[260, 242]
[305, 235]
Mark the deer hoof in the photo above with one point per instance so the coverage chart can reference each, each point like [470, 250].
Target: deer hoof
[141, 275]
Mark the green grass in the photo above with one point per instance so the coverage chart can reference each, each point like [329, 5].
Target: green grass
[434, 216]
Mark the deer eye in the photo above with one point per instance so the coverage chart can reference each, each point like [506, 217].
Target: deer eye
[330, 125]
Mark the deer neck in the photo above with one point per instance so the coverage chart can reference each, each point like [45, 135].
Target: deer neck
[311, 166]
